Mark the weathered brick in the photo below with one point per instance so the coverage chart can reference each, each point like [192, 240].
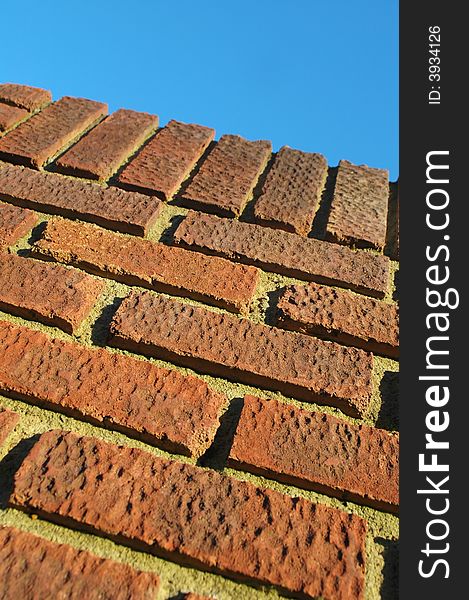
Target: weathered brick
[285, 253]
[98, 154]
[341, 316]
[8, 421]
[194, 515]
[11, 115]
[49, 293]
[37, 140]
[163, 407]
[15, 222]
[226, 346]
[359, 206]
[33, 567]
[166, 161]
[318, 452]
[228, 175]
[24, 96]
[110, 207]
[292, 190]
[156, 266]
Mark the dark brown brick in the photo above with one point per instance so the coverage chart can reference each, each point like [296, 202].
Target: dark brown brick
[359, 206]
[163, 407]
[110, 207]
[194, 515]
[98, 154]
[227, 176]
[34, 568]
[226, 346]
[15, 222]
[285, 253]
[49, 293]
[37, 140]
[156, 266]
[341, 316]
[392, 234]
[8, 421]
[10, 115]
[166, 161]
[292, 190]
[24, 96]
[318, 452]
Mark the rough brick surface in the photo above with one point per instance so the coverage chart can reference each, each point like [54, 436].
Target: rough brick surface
[110, 207]
[292, 190]
[285, 253]
[15, 222]
[196, 515]
[34, 568]
[359, 206]
[47, 292]
[37, 140]
[149, 264]
[166, 161]
[24, 96]
[319, 452]
[10, 115]
[8, 421]
[163, 407]
[239, 349]
[228, 175]
[341, 316]
[98, 154]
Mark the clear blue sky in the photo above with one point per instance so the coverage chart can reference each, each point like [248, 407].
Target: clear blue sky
[316, 75]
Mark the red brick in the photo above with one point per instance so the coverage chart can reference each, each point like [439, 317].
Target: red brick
[49, 293]
[33, 567]
[156, 266]
[359, 206]
[341, 316]
[226, 346]
[24, 96]
[163, 407]
[194, 515]
[15, 222]
[318, 452]
[110, 207]
[8, 421]
[285, 253]
[228, 175]
[292, 190]
[166, 161]
[36, 141]
[10, 115]
[98, 154]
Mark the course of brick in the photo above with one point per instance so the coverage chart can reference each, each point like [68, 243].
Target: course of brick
[341, 316]
[154, 265]
[8, 421]
[11, 115]
[227, 176]
[285, 253]
[15, 222]
[174, 508]
[318, 451]
[33, 567]
[24, 96]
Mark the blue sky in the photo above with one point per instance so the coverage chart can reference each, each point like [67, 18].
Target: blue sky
[316, 75]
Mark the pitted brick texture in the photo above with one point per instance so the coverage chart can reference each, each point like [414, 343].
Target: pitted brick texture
[10, 115]
[99, 153]
[110, 207]
[197, 515]
[179, 413]
[228, 175]
[285, 253]
[141, 262]
[359, 206]
[8, 421]
[15, 222]
[319, 452]
[36, 141]
[34, 568]
[292, 190]
[49, 293]
[24, 96]
[239, 349]
[166, 161]
[341, 316]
